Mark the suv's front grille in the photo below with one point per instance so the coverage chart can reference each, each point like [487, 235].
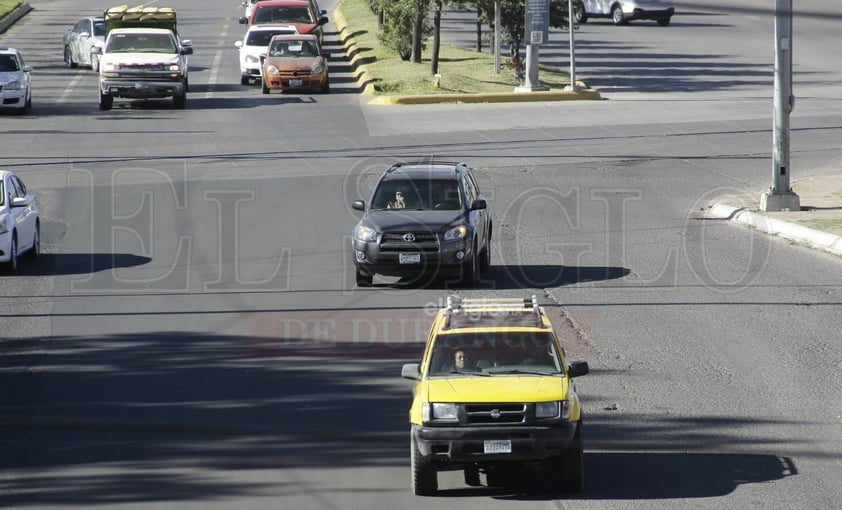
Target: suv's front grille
[495, 414]
[396, 241]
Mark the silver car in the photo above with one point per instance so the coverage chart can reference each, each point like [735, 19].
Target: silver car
[20, 222]
[623, 11]
[15, 82]
[78, 41]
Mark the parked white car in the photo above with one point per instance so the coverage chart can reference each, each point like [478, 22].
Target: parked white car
[79, 40]
[20, 222]
[15, 82]
[623, 11]
[254, 44]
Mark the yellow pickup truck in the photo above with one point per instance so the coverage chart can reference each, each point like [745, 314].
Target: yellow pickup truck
[493, 395]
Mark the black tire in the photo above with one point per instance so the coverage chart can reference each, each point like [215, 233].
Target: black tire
[424, 478]
[472, 476]
[581, 16]
[326, 87]
[179, 101]
[11, 266]
[105, 101]
[35, 251]
[24, 110]
[364, 280]
[572, 465]
[664, 22]
[485, 259]
[617, 15]
[470, 270]
[496, 477]
[245, 80]
[264, 87]
[68, 59]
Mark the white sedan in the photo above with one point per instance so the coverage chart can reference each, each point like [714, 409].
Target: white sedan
[79, 41]
[20, 221]
[15, 82]
[254, 44]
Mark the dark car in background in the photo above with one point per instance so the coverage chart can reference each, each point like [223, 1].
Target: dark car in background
[423, 219]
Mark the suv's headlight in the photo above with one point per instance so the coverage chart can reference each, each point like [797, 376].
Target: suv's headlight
[12, 85]
[547, 409]
[456, 233]
[439, 412]
[251, 59]
[317, 69]
[365, 234]
[3, 227]
[272, 70]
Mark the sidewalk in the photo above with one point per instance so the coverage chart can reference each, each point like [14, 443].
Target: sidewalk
[818, 224]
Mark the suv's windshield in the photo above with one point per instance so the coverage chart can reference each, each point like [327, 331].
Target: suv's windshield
[529, 352]
[440, 194]
[144, 43]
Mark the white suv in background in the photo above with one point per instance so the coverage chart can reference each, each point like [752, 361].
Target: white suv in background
[255, 43]
[623, 11]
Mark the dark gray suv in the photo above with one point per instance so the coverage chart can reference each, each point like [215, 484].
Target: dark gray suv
[424, 219]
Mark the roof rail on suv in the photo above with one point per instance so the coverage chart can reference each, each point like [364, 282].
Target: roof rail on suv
[494, 307]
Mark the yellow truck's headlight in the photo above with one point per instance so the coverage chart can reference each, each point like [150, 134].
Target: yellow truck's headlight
[547, 409]
[439, 412]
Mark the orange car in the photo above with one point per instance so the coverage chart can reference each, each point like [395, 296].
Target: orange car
[295, 62]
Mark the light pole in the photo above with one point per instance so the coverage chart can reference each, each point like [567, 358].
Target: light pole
[570, 24]
[780, 196]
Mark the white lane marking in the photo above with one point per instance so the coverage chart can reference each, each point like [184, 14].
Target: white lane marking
[217, 60]
[70, 87]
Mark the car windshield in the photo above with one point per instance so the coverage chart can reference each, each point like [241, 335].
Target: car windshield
[146, 43]
[283, 14]
[263, 37]
[8, 63]
[99, 28]
[438, 194]
[527, 352]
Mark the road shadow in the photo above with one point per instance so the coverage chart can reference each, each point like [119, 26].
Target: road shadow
[61, 264]
[166, 416]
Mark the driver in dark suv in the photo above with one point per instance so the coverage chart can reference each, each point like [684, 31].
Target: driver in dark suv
[424, 219]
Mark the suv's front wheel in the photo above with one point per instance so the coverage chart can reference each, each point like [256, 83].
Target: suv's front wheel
[363, 279]
[424, 479]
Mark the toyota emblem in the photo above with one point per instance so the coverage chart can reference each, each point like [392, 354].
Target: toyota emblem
[495, 413]
[410, 237]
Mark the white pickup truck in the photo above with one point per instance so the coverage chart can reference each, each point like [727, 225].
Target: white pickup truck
[143, 57]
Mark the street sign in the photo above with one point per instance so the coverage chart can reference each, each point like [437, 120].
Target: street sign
[537, 26]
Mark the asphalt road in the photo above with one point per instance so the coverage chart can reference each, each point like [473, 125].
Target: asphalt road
[192, 337]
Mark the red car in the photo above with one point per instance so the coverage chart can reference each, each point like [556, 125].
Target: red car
[299, 13]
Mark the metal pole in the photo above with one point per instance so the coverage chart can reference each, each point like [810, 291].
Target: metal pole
[497, 36]
[570, 24]
[780, 196]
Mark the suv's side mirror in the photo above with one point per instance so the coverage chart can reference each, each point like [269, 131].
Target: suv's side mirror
[96, 50]
[411, 371]
[20, 202]
[186, 50]
[323, 20]
[577, 368]
[479, 204]
[358, 205]
[243, 21]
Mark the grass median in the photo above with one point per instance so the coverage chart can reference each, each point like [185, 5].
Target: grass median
[462, 70]
[7, 6]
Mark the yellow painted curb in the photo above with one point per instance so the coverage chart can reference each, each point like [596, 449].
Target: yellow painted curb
[497, 97]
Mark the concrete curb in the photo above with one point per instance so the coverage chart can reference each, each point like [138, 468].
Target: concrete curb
[367, 84]
[16, 14]
[821, 240]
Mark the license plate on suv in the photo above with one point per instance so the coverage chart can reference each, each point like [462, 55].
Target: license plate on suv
[409, 258]
[295, 83]
[500, 446]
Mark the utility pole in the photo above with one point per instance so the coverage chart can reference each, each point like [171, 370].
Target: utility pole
[571, 23]
[780, 196]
